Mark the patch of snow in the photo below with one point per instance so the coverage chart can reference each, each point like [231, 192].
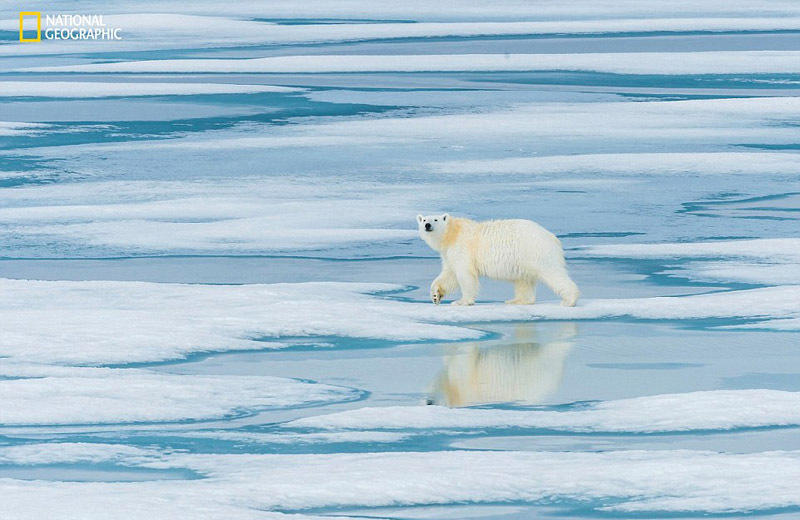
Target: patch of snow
[14, 129]
[709, 410]
[124, 322]
[708, 62]
[74, 452]
[231, 215]
[99, 322]
[763, 248]
[58, 395]
[92, 89]
[714, 163]
[766, 261]
[246, 485]
[251, 437]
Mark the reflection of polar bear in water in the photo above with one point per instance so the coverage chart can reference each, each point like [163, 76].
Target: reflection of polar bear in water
[524, 371]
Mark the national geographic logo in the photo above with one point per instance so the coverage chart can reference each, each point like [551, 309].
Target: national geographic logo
[65, 27]
[31, 16]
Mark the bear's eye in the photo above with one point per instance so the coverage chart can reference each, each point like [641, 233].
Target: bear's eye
[436, 220]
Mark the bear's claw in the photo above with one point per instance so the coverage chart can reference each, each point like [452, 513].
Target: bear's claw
[436, 295]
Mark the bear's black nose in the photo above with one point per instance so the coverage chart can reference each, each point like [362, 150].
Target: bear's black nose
[428, 226]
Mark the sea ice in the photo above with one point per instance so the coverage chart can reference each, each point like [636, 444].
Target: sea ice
[707, 410]
[684, 163]
[96, 89]
[774, 261]
[236, 485]
[708, 62]
[14, 129]
[127, 322]
[55, 395]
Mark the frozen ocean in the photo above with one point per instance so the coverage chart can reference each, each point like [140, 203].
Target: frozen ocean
[214, 302]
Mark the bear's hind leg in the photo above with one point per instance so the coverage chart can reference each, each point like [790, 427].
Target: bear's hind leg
[559, 281]
[524, 293]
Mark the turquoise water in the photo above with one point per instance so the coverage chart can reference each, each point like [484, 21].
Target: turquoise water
[102, 193]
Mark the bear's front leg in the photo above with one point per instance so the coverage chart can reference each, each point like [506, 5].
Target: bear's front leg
[470, 285]
[443, 284]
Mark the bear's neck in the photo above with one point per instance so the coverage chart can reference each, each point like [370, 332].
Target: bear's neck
[451, 235]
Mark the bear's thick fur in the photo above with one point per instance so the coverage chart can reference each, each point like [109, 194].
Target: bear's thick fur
[517, 251]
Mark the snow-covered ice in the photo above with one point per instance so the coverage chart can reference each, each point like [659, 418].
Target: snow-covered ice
[775, 249]
[12, 128]
[73, 452]
[54, 396]
[773, 261]
[145, 214]
[92, 89]
[124, 322]
[344, 10]
[619, 481]
[294, 438]
[711, 410]
[722, 62]
[248, 215]
[127, 322]
[156, 31]
[708, 163]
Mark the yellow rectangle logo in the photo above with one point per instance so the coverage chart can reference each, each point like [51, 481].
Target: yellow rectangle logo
[22, 16]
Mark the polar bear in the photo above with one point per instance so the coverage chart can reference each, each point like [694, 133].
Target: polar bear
[518, 251]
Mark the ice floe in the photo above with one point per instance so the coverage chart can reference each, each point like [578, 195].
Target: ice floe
[751, 304]
[296, 438]
[124, 322]
[708, 62]
[501, 10]
[708, 410]
[13, 129]
[207, 214]
[150, 31]
[236, 485]
[788, 324]
[75, 452]
[230, 31]
[768, 272]
[58, 395]
[264, 142]
[92, 89]
[716, 121]
[765, 261]
[127, 322]
[686, 163]
[225, 216]
[763, 249]
[344, 11]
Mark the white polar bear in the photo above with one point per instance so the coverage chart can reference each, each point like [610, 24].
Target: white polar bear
[518, 251]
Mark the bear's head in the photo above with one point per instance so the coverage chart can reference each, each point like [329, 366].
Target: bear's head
[432, 228]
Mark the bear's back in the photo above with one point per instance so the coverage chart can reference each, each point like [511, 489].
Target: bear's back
[514, 230]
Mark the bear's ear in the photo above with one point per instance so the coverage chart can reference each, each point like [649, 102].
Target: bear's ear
[444, 217]
[419, 219]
